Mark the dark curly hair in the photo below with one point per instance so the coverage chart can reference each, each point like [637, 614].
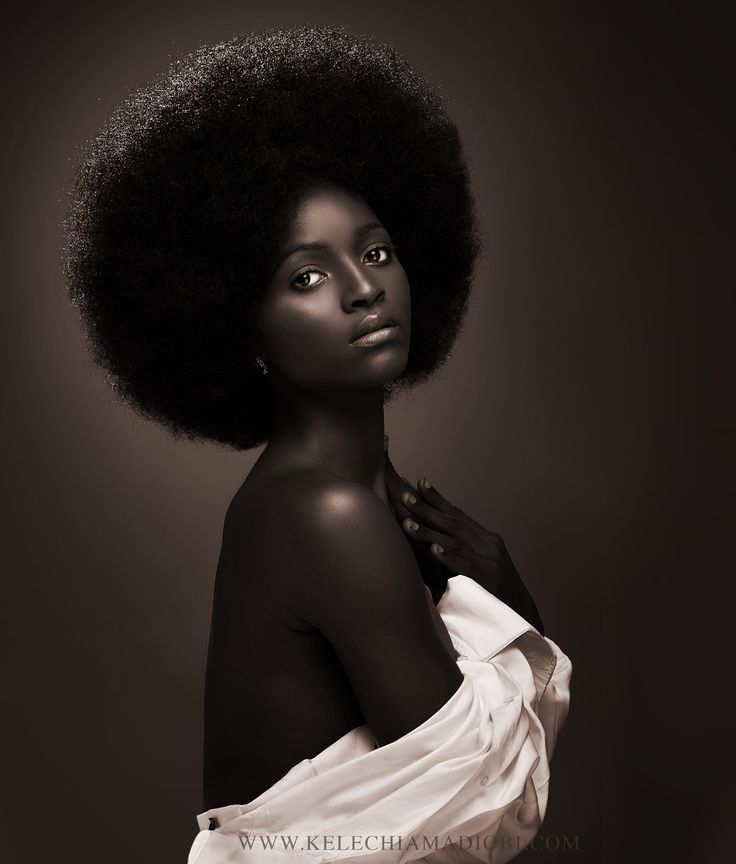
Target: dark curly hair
[179, 205]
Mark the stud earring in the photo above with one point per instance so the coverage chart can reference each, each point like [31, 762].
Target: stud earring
[261, 362]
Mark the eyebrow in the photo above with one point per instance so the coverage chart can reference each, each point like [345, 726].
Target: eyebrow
[307, 247]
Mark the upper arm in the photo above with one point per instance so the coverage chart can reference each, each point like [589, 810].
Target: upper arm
[359, 584]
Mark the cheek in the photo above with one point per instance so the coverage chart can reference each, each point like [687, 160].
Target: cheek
[304, 334]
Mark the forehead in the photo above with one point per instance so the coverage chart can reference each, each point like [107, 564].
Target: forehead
[326, 210]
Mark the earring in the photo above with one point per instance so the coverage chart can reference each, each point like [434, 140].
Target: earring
[261, 362]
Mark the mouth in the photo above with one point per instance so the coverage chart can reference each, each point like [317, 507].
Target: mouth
[377, 337]
[376, 326]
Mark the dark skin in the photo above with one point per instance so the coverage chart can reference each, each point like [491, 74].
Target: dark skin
[447, 541]
[322, 618]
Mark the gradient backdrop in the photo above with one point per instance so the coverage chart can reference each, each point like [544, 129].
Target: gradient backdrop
[584, 416]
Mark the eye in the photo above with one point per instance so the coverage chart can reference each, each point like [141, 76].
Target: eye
[374, 253]
[299, 280]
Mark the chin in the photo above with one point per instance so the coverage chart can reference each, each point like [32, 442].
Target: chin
[383, 372]
[357, 371]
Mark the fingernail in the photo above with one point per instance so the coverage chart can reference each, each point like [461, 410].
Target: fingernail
[426, 483]
[437, 548]
[409, 498]
[413, 525]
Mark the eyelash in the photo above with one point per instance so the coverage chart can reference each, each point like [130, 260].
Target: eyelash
[383, 245]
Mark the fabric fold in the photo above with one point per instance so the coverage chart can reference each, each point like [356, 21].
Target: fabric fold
[469, 784]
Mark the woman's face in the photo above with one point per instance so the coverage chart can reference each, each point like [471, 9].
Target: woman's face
[347, 281]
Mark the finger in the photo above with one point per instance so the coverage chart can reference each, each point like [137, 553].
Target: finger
[395, 503]
[434, 497]
[395, 487]
[431, 494]
[416, 531]
[399, 509]
[425, 512]
[490, 578]
[453, 561]
[421, 539]
[393, 481]
[453, 552]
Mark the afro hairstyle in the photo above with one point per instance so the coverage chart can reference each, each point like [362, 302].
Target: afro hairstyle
[178, 206]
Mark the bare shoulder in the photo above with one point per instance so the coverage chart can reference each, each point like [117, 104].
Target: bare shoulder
[331, 515]
[324, 502]
[302, 520]
[307, 497]
[329, 540]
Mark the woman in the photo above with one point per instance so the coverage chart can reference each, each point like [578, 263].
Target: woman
[267, 244]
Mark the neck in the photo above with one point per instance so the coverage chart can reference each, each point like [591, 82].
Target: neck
[337, 431]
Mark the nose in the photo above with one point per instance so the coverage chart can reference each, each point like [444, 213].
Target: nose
[361, 289]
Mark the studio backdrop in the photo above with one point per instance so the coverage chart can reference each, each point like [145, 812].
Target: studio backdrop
[584, 415]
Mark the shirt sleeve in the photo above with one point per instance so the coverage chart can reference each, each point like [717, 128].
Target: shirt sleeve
[483, 628]
[469, 784]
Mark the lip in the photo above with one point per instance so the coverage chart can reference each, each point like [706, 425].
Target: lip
[371, 323]
[377, 337]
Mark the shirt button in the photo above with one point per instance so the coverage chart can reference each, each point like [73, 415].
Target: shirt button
[484, 780]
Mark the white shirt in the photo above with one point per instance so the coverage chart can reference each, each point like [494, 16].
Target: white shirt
[469, 784]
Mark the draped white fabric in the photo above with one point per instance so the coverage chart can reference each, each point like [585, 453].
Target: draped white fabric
[469, 784]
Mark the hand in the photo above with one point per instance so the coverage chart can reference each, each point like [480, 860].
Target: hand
[446, 541]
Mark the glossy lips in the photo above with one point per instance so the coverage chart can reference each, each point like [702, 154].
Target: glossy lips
[373, 329]
[384, 334]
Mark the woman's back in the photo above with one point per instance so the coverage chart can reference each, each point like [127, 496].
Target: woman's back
[276, 692]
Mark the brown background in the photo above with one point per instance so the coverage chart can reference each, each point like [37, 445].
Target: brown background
[583, 416]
